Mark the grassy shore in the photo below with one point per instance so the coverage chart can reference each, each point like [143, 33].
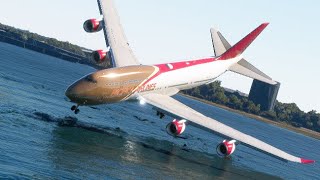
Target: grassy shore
[301, 130]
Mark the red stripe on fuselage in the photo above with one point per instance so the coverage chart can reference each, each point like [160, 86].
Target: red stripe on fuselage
[163, 68]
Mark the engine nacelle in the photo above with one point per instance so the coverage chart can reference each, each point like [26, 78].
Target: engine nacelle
[226, 148]
[100, 56]
[176, 127]
[92, 25]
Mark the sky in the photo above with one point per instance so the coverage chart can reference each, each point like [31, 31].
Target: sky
[162, 31]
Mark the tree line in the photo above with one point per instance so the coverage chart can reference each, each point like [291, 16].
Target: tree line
[29, 37]
[283, 112]
[24, 35]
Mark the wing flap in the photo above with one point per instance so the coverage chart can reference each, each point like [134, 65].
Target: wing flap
[173, 106]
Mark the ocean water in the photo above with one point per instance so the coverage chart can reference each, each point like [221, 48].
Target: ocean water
[40, 138]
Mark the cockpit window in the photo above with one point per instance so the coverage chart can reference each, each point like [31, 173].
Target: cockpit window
[90, 78]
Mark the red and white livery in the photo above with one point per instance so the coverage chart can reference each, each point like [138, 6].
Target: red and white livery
[154, 84]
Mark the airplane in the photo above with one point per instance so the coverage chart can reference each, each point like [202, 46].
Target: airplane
[128, 80]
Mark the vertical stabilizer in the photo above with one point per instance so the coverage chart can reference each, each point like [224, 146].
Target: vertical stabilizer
[223, 50]
[220, 44]
[242, 45]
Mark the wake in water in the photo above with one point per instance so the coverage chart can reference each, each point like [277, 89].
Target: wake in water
[41, 138]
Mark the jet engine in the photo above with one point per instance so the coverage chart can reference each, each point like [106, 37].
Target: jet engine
[176, 127]
[92, 25]
[100, 56]
[226, 148]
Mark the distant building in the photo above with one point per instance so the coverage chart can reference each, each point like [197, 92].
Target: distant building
[264, 94]
[231, 91]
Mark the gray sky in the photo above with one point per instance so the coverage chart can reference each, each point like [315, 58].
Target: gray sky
[165, 30]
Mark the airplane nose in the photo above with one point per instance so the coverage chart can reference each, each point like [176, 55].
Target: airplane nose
[85, 91]
[70, 93]
[80, 92]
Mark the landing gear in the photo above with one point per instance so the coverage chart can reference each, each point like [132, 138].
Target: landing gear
[160, 114]
[75, 109]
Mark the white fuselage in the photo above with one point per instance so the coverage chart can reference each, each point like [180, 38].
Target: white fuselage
[172, 82]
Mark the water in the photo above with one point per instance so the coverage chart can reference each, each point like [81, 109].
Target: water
[40, 138]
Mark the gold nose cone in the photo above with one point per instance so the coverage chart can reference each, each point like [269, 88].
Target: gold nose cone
[70, 93]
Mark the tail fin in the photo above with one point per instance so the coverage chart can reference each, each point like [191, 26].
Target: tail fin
[242, 45]
[220, 44]
[243, 67]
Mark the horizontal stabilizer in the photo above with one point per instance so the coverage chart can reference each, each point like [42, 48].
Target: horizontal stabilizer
[243, 67]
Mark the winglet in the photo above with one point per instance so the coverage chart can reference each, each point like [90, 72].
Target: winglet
[238, 48]
[307, 161]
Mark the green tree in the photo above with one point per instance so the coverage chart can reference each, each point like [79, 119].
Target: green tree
[318, 125]
[220, 97]
[269, 114]
[309, 124]
[252, 108]
[235, 102]
[288, 112]
[214, 87]
[24, 37]
[196, 92]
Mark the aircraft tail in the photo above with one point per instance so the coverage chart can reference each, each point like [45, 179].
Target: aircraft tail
[243, 67]
[220, 44]
[242, 45]
[223, 50]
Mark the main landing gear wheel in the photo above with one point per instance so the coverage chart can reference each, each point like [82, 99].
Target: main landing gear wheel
[160, 114]
[75, 109]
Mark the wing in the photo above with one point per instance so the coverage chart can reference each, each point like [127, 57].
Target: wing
[178, 109]
[121, 53]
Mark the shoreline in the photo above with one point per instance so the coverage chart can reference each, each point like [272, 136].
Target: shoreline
[77, 59]
[301, 130]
